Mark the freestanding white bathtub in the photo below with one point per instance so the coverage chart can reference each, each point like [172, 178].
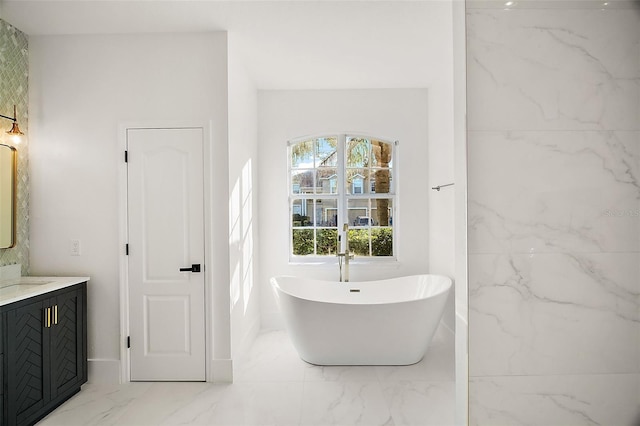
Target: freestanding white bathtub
[386, 322]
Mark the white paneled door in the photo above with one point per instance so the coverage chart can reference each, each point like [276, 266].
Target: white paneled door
[166, 254]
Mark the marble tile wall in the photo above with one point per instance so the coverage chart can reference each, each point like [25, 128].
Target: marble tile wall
[14, 69]
[554, 214]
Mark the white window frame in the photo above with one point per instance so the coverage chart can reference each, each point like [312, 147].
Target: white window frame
[342, 197]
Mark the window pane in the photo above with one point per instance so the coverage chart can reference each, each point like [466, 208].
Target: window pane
[326, 155]
[302, 213]
[358, 181]
[302, 155]
[327, 241]
[370, 212]
[358, 152]
[374, 241]
[358, 212]
[302, 241]
[327, 213]
[382, 211]
[381, 181]
[302, 182]
[359, 242]
[381, 242]
[327, 180]
[381, 154]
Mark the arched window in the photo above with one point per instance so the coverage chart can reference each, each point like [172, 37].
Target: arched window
[336, 180]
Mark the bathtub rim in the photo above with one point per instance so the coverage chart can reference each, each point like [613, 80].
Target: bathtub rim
[445, 290]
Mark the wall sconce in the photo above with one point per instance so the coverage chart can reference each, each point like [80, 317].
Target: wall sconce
[15, 130]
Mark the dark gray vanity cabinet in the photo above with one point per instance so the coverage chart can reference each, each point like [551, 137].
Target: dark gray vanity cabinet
[44, 353]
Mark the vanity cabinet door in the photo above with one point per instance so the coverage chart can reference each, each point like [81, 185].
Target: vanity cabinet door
[1, 373]
[45, 353]
[68, 348]
[26, 375]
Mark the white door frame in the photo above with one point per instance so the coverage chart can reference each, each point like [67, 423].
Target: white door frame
[125, 370]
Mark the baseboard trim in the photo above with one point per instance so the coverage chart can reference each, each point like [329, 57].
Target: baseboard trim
[103, 371]
[222, 370]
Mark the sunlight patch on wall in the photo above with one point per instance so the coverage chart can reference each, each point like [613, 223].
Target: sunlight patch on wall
[241, 237]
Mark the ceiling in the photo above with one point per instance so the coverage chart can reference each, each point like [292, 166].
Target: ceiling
[284, 44]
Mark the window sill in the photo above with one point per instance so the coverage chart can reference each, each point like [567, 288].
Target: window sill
[333, 262]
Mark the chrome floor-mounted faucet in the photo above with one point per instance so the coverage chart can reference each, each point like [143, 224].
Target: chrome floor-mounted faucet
[345, 254]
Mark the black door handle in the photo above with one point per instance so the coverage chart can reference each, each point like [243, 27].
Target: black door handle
[194, 268]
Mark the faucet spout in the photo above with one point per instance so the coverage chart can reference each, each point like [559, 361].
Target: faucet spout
[345, 254]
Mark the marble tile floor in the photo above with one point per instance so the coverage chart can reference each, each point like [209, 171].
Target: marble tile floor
[273, 386]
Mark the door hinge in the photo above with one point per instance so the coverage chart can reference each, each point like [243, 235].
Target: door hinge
[126, 156]
[128, 341]
[126, 249]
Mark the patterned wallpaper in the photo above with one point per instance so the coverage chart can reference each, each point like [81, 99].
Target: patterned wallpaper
[14, 69]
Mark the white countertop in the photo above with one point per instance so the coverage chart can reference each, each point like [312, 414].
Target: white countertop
[16, 289]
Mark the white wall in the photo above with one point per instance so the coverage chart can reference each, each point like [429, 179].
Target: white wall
[460, 160]
[82, 89]
[243, 203]
[411, 116]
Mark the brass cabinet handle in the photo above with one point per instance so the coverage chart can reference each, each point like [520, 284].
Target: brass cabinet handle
[47, 316]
